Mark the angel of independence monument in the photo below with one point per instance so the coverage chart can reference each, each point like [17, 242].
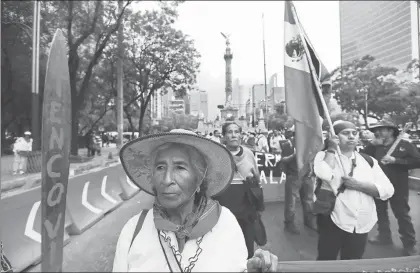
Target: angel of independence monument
[229, 112]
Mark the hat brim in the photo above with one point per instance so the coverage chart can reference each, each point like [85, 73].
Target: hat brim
[135, 159]
[374, 127]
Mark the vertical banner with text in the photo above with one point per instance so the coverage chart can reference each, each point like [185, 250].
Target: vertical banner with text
[56, 139]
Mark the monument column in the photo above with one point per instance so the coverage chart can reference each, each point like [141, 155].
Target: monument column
[228, 89]
[229, 112]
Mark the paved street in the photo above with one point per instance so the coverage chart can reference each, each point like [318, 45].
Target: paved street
[7, 163]
[94, 250]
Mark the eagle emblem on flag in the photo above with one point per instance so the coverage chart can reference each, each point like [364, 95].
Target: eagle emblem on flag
[294, 49]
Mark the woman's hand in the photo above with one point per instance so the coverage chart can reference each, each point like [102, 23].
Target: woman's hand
[262, 261]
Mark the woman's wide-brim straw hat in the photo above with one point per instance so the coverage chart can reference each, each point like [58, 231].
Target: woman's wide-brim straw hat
[136, 159]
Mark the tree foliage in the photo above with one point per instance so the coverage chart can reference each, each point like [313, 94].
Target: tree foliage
[158, 58]
[361, 83]
[88, 27]
[279, 121]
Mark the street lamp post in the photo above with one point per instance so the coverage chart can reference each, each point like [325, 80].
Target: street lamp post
[35, 77]
[120, 98]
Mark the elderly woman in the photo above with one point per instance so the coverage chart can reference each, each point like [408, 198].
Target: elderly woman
[186, 230]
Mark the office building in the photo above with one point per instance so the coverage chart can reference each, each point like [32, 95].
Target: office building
[199, 103]
[177, 106]
[386, 30]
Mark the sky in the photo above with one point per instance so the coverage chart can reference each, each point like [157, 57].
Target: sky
[204, 20]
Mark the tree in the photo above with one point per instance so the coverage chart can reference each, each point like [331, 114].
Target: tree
[88, 26]
[16, 46]
[159, 57]
[361, 85]
[410, 93]
[351, 116]
[279, 121]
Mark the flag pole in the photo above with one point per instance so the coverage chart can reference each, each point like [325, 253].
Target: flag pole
[265, 74]
[316, 81]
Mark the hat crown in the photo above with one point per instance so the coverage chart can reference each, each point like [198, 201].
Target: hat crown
[182, 131]
[386, 123]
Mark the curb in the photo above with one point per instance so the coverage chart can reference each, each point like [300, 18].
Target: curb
[23, 183]
[414, 183]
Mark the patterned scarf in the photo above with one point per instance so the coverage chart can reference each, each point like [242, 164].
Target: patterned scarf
[200, 221]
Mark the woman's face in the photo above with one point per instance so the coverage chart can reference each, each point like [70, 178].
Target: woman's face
[173, 177]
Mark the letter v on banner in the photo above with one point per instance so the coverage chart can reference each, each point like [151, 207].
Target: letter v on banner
[56, 139]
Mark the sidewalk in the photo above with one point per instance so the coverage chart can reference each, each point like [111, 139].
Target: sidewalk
[11, 182]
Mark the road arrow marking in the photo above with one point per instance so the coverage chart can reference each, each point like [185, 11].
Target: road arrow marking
[106, 195]
[85, 201]
[29, 228]
[129, 182]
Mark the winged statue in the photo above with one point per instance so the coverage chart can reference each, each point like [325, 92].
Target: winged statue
[227, 38]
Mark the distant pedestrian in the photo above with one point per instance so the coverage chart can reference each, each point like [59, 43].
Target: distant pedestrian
[90, 143]
[216, 136]
[21, 149]
[105, 140]
[262, 141]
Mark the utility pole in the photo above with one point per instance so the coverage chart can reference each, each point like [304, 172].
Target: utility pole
[418, 32]
[35, 78]
[253, 106]
[265, 74]
[120, 97]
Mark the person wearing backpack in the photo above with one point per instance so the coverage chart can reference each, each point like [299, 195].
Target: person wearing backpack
[396, 167]
[344, 204]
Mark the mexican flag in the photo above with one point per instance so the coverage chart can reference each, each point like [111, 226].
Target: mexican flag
[302, 100]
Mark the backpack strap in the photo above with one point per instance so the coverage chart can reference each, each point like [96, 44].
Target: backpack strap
[368, 158]
[139, 225]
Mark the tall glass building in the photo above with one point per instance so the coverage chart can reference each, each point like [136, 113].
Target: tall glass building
[387, 30]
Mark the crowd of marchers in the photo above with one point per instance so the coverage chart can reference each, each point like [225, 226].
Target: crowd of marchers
[204, 195]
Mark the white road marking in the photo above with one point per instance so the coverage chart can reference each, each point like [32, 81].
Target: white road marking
[106, 195]
[129, 182]
[29, 228]
[85, 201]
[415, 178]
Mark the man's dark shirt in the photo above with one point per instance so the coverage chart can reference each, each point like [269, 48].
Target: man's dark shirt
[288, 148]
[407, 157]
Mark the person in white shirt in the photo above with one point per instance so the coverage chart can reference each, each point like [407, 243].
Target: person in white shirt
[21, 149]
[354, 215]
[216, 136]
[275, 142]
[186, 230]
[262, 142]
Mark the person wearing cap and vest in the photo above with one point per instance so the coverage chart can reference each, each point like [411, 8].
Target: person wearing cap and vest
[396, 167]
[346, 227]
[21, 149]
[186, 230]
